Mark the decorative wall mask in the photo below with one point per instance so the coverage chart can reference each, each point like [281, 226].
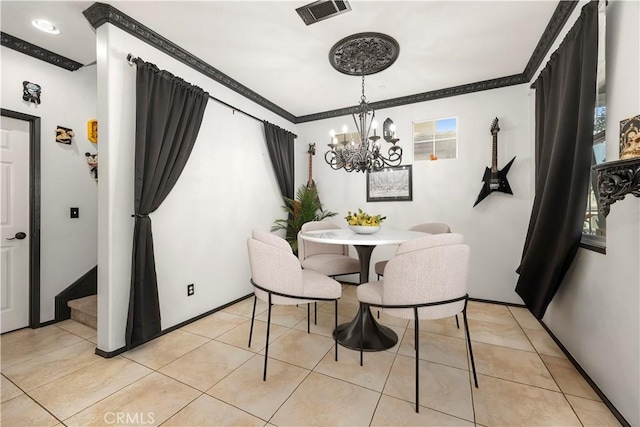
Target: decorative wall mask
[92, 161]
[64, 135]
[630, 138]
[92, 130]
[31, 92]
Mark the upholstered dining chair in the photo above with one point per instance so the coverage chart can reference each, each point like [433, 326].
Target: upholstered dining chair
[278, 278]
[427, 227]
[330, 260]
[426, 279]
[327, 259]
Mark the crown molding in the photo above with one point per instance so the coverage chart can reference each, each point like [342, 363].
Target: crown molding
[420, 97]
[555, 25]
[37, 52]
[100, 13]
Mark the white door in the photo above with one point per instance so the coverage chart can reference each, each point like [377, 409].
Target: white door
[14, 222]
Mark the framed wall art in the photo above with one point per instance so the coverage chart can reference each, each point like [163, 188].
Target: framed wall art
[393, 184]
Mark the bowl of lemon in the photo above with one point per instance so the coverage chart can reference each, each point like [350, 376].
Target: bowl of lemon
[363, 223]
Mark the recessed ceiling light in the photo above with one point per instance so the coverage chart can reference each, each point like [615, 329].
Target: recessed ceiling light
[46, 26]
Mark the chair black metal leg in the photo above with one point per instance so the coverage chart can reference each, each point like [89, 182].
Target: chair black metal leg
[457, 322]
[253, 315]
[417, 344]
[466, 329]
[315, 313]
[335, 338]
[308, 318]
[266, 349]
[361, 334]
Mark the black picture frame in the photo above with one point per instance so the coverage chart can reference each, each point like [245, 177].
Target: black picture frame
[391, 184]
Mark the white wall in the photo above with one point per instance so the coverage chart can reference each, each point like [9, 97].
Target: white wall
[445, 190]
[227, 188]
[595, 313]
[68, 246]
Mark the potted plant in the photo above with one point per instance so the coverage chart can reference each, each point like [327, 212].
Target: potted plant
[304, 208]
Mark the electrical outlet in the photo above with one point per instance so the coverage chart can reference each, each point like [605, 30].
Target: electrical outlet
[190, 290]
[74, 212]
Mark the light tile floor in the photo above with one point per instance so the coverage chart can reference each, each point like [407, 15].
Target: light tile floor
[204, 374]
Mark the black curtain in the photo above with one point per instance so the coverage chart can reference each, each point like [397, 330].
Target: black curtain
[280, 144]
[169, 113]
[565, 105]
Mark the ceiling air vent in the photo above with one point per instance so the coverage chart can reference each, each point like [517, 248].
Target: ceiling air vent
[322, 9]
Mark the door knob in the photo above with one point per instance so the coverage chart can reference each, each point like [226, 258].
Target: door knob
[19, 235]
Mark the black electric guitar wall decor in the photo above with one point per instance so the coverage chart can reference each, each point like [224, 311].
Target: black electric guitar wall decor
[494, 179]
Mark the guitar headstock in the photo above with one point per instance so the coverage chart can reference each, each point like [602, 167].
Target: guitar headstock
[494, 126]
[312, 149]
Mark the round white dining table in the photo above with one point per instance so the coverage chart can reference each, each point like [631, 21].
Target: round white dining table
[374, 337]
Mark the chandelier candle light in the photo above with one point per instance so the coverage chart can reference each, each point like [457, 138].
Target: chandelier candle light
[364, 54]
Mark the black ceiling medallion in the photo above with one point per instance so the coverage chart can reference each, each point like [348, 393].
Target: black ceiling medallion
[364, 53]
[37, 52]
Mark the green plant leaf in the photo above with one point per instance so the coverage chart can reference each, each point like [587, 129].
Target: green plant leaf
[304, 208]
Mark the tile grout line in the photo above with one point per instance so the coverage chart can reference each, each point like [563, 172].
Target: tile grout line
[111, 394]
[300, 383]
[236, 407]
[436, 363]
[564, 395]
[467, 347]
[40, 355]
[517, 349]
[204, 393]
[54, 379]
[395, 357]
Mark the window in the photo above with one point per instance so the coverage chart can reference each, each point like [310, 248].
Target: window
[594, 229]
[435, 139]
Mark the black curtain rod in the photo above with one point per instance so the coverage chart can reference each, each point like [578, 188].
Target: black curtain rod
[219, 101]
[131, 60]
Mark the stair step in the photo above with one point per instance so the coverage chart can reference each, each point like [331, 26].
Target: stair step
[85, 310]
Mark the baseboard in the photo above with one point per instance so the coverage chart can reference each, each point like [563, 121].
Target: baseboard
[488, 301]
[200, 316]
[109, 354]
[47, 323]
[587, 378]
[83, 287]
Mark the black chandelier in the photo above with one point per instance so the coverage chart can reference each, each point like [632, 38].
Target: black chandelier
[363, 54]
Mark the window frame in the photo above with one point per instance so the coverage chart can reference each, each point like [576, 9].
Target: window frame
[433, 141]
[594, 242]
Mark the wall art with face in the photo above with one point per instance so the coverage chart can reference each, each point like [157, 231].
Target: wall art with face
[64, 135]
[630, 138]
[31, 92]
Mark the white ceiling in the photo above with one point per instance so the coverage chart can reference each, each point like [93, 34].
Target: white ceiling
[265, 45]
